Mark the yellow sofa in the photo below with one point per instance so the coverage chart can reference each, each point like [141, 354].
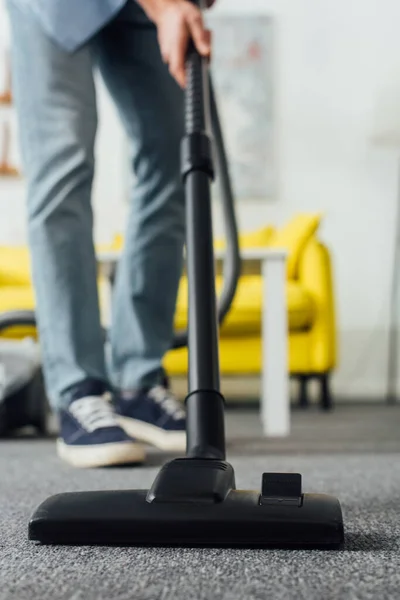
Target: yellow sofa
[312, 350]
[311, 312]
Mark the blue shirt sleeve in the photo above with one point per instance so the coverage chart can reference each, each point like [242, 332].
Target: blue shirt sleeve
[71, 23]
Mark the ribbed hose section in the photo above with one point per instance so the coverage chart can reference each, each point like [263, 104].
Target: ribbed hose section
[194, 94]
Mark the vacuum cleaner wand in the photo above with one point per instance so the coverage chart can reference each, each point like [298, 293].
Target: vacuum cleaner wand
[193, 500]
[205, 405]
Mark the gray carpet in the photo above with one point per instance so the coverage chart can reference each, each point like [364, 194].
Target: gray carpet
[368, 568]
[349, 428]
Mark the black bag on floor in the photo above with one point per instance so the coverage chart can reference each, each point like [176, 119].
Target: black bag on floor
[23, 399]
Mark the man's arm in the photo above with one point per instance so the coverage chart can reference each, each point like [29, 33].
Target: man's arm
[177, 21]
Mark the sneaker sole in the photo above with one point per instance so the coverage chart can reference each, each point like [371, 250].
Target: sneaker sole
[169, 441]
[101, 455]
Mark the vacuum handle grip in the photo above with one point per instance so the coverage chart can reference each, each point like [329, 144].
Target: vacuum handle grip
[197, 101]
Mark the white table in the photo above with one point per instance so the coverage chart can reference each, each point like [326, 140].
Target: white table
[275, 406]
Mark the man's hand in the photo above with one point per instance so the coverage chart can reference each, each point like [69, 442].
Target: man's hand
[177, 21]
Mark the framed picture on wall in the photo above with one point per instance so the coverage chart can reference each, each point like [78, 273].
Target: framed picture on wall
[242, 69]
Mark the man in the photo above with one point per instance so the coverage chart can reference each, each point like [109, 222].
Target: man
[139, 47]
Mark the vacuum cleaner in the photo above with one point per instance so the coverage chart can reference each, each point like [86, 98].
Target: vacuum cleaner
[194, 500]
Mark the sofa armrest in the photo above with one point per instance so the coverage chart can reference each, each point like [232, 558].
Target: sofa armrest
[316, 276]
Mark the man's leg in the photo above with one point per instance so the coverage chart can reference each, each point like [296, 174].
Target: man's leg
[55, 98]
[151, 106]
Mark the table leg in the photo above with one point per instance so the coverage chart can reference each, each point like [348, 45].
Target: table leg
[275, 404]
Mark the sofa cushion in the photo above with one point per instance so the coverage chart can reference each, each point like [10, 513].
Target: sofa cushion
[14, 266]
[16, 298]
[244, 318]
[294, 236]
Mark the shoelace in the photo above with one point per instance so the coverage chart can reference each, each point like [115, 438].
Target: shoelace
[168, 402]
[93, 412]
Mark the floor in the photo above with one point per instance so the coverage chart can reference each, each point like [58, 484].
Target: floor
[352, 452]
[348, 428]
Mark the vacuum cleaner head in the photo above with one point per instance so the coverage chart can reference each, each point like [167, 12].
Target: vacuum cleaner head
[193, 502]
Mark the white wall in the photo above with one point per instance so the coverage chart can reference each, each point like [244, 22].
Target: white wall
[337, 76]
[337, 71]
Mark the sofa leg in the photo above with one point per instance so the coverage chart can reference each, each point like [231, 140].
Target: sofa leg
[303, 392]
[325, 392]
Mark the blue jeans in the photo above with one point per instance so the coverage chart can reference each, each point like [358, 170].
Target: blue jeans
[56, 104]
